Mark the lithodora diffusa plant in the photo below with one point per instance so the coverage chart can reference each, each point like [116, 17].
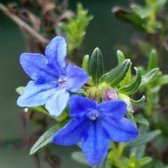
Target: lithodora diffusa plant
[91, 108]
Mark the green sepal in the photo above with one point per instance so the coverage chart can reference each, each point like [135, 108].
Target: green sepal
[149, 76]
[117, 74]
[153, 60]
[85, 63]
[40, 109]
[133, 86]
[96, 65]
[44, 139]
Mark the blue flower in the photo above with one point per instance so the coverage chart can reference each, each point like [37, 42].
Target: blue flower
[94, 126]
[52, 78]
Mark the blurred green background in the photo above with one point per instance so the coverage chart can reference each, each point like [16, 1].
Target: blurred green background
[104, 31]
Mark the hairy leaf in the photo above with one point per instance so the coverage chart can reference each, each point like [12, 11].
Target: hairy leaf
[133, 86]
[85, 63]
[44, 139]
[117, 74]
[96, 65]
[144, 139]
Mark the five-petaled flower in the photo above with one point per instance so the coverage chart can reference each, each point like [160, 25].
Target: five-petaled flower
[52, 78]
[94, 125]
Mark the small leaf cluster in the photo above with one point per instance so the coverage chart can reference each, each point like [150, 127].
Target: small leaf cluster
[74, 29]
[145, 18]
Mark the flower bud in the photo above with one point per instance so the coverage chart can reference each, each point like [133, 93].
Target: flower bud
[110, 94]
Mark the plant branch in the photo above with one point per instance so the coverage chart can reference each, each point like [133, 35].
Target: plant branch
[23, 25]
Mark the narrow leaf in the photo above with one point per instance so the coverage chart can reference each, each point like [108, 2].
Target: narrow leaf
[79, 157]
[127, 79]
[153, 60]
[133, 86]
[117, 74]
[44, 139]
[141, 11]
[143, 139]
[129, 17]
[96, 65]
[145, 160]
[149, 76]
[85, 63]
[120, 56]
[141, 120]
[163, 80]
[142, 99]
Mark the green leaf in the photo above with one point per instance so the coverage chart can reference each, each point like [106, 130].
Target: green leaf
[79, 157]
[44, 139]
[134, 162]
[96, 65]
[133, 86]
[141, 120]
[129, 17]
[142, 99]
[120, 56]
[144, 139]
[153, 60]
[149, 76]
[145, 160]
[142, 12]
[156, 5]
[162, 80]
[75, 28]
[117, 74]
[160, 4]
[85, 63]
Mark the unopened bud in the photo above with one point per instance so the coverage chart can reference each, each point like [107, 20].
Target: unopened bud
[110, 94]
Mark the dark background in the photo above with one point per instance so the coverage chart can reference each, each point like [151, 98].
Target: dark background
[105, 31]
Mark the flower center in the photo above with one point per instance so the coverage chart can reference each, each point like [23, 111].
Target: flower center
[93, 115]
[62, 82]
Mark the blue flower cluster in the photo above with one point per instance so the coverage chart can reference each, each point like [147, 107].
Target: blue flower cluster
[93, 125]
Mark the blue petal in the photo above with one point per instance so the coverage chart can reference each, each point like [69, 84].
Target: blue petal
[71, 133]
[35, 94]
[80, 105]
[113, 108]
[96, 144]
[56, 52]
[77, 77]
[56, 104]
[35, 65]
[120, 131]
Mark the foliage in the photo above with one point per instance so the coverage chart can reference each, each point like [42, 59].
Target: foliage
[75, 28]
[100, 111]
